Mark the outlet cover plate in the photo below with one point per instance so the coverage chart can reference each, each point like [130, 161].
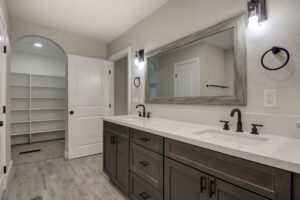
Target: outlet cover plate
[270, 98]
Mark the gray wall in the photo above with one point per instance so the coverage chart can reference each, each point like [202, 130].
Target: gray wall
[179, 18]
[121, 86]
[71, 43]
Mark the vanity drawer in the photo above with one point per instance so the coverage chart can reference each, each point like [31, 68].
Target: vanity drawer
[267, 181]
[116, 128]
[147, 140]
[148, 165]
[140, 190]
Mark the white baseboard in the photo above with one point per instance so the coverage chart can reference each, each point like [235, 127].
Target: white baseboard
[9, 172]
[66, 154]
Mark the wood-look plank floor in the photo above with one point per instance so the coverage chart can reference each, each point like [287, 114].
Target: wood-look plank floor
[60, 179]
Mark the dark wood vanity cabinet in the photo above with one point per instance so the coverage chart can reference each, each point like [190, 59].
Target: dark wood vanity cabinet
[116, 155]
[150, 167]
[183, 182]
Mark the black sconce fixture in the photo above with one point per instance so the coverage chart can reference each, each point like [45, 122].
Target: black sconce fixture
[139, 56]
[256, 12]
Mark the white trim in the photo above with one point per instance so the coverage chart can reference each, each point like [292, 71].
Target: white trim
[9, 173]
[66, 154]
[117, 56]
[198, 81]
[6, 177]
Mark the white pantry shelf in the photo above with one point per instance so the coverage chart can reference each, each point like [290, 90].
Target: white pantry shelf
[47, 131]
[48, 120]
[38, 106]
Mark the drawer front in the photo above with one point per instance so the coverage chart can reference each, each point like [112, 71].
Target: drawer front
[140, 190]
[147, 140]
[261, 179]
[116, 128]
[148, 165]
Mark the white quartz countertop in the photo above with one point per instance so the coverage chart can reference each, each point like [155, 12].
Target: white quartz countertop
[277, 151]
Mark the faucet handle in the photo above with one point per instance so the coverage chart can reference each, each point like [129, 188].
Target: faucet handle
[226, 124]
[140, 113]
[148, 114]
[254, 128]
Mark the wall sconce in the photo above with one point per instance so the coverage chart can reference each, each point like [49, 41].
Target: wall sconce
[139, 57]
[256, 13]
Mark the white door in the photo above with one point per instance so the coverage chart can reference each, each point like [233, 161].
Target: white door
[88, 101]
[186, 78]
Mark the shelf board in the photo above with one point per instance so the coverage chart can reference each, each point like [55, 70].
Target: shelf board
[37, 109]
[52, 76]
[20, 109]
[47, 131]
[52, 87]
[19, 85]
[20, 97]
[48, 120]
[20, 73]
[19, 122]
[47, 97]
[19, 134]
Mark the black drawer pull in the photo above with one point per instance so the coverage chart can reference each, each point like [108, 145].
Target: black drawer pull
[212, 187]
[143, 139]
[202, 183]
[144, 195]
[144, 163]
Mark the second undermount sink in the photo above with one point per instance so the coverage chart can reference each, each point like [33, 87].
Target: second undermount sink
[232, 137]
[130, 118]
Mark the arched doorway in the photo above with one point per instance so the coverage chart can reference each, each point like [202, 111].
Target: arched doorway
[38, 99]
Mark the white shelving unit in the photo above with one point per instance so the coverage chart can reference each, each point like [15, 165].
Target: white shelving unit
[37, 107]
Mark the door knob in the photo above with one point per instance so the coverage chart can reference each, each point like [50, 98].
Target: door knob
[1, 123]
[71, 112]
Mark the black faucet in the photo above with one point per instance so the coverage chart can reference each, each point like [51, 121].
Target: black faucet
[239, 122]
[144, 109]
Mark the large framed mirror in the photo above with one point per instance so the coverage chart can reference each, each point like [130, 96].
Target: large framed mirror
[207, 67]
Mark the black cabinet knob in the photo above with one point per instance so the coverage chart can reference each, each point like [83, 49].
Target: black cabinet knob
[1, 123]
[71, 112]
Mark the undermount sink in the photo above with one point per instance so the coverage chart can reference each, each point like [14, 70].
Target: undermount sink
[231, 137]
[130, 118]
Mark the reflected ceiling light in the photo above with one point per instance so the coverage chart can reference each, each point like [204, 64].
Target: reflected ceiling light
[256, 13]
[139, 57]
[38, 45]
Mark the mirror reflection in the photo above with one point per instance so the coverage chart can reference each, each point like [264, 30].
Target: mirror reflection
[202, 68]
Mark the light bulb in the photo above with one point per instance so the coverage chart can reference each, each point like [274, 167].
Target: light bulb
[38, 45]
[253, 22]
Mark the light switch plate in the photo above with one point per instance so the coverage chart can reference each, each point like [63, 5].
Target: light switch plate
[298, 124]
[270, 98]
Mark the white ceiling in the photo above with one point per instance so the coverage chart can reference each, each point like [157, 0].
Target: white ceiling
[101, 19]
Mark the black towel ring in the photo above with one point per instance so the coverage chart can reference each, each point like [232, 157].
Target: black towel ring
[275, 50]
[137, 81]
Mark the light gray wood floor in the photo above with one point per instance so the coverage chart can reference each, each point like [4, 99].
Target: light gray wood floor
[55, 178]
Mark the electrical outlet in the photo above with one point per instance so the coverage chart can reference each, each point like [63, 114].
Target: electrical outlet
[298, 124]
[270, 98]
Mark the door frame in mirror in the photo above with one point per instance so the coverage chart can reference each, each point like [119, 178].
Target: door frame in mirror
[240, 65]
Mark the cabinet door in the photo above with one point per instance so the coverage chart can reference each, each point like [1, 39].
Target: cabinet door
[183, 182]
[109, 154]
[220, 190]
[122, 163]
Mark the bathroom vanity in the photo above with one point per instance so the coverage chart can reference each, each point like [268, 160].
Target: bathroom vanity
[162, 159]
